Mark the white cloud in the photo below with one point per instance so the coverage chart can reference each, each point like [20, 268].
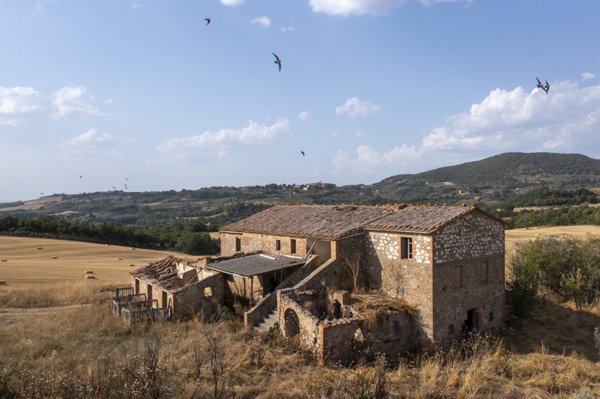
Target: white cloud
[368, 159]
[72, 100]
[587, 76]
[365, 7]
[355, 107]
[220, 141]
[17, 101]
[303, 115]
[287, 29]
[567, 119]
[231, 3]
[90, 143]
[355, 7]
[263, 20]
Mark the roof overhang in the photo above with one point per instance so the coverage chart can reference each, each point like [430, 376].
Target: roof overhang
[254, 265]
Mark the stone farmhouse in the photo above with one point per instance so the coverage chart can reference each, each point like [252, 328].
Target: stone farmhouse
[344, 279]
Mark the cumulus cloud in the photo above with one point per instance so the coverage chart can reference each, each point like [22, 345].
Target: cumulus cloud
[263, 20]
[303, 115]
[220, 141]
[231, 3]
[72, 100]
[587, 76]
[355, 107]
[368, 159]
[90, 143]
[364, 7]
[355, 7]
[17, 101]
[567, 119]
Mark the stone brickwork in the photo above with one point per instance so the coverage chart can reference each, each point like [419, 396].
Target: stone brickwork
[410, 279]
[474, 235]
[295, 320]
[251, 242]
[468, 278]
[337, 341]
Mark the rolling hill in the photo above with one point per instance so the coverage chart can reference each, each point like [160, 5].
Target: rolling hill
[487, 181]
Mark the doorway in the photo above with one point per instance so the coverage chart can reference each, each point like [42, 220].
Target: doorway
[472, 322]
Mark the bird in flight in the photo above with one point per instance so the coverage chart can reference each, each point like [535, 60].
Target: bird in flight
[80, 176]
[302, 152]
[277, 61]
[207, 20]
[545, 87]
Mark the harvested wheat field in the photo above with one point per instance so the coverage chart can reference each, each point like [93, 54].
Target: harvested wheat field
[43, 261]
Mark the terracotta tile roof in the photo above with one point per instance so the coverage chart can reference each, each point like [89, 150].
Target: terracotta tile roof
[331, 222]
[420, 218]
[327, 222]
[165, 273]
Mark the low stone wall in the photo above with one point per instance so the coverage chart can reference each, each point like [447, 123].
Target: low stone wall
[336, 339]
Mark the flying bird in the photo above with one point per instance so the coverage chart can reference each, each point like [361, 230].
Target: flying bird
[277, 61]
[302, 152]
[545, 87]
[126, 179]
[207, 20]
[80, 176]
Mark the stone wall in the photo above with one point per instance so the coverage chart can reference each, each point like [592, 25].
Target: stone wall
[410, 279]
[308, 324]
[468, 275]
[251, 242]
[336, 341]
[474, 235]
[201, 298]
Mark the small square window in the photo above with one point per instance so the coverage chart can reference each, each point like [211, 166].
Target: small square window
[277, 245]
[207, 292]
[406, 248]
[491, 316]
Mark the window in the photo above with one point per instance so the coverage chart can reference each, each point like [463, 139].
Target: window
[293, 246]
[458, 276]
[406, 248]
[277, 245]
[207, 292]
[491, 316]
[238, 245]
[485, 270]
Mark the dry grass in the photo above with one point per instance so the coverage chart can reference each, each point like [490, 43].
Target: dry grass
[82, 351]
[85, 352]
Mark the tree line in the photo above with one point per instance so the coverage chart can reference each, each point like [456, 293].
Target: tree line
[191, 237]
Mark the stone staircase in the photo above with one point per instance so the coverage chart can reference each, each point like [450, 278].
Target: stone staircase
[268, 323]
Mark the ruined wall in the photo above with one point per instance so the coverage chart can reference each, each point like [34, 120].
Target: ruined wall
[350, 254]
[308, 324]
[410, 279]
[251, 242]
[392, 332]
[203, 298]
[336, 341]
[468, 274]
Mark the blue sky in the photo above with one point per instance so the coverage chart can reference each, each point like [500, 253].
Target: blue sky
[144, 90]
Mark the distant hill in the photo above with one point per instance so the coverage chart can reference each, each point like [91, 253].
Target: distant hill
[489, 182]
[495, 178]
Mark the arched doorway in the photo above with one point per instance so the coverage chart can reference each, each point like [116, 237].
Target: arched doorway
[292, 324]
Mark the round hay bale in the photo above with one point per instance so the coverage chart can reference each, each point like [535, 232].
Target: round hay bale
[3, 260]
[131, 264]
[120, 258]
[2, 282]
[89, 272]
[90, 277]
[133, 249]
[40, 248]
[55, 257]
